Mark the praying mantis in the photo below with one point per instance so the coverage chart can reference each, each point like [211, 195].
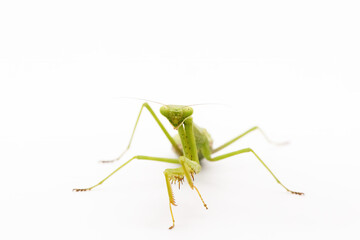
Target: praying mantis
[191, 144]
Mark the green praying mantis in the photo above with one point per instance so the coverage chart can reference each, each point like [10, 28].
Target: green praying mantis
[191, 144]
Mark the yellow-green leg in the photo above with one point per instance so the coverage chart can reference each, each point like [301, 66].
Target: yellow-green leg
[172, 141]
[246, 150]
[167, 160]
[176, 175]
[245, 133]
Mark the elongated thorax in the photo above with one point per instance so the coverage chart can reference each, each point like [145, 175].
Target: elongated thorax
[187, 137]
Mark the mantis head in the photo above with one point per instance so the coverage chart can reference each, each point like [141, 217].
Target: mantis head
[176, 114]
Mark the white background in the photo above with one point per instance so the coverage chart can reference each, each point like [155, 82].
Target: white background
[290, 67]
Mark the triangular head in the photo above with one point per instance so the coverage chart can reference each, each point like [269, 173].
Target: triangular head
[176, 114]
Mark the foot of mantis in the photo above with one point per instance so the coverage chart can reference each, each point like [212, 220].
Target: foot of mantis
[114, 160]
[81, 189]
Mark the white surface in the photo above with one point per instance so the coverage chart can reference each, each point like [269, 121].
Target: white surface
[291, 68]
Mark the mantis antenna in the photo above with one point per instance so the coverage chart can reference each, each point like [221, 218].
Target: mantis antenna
[191, 105]
[143, 99]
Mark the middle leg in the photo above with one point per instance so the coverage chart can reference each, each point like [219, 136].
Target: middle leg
[168, 160]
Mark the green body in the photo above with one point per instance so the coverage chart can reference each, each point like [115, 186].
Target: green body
[191, 144]
[203, 140]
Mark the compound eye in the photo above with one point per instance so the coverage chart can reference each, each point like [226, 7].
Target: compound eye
[164, 110]
[188, 111]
